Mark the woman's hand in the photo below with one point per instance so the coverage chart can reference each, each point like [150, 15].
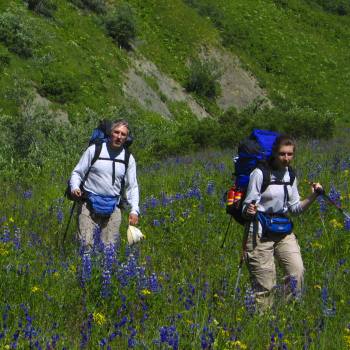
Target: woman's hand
[251, 210]
[317, 188]
[133, 219]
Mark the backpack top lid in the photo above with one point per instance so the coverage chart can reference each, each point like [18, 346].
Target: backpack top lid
[252, 150]
[266, 139]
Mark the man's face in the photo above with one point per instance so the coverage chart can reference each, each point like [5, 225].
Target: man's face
[118, 136]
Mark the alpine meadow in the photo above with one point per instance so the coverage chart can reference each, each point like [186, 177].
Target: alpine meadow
[192, 78]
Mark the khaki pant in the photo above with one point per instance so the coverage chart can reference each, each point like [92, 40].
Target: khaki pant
[260, 257]
[88, 223]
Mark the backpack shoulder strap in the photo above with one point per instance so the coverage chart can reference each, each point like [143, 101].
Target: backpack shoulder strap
[292, 175]
[98, 149]
[126, 159]
[266, 176]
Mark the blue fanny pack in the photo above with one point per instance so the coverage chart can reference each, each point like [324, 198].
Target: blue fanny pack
[102, 205]
[275, 224]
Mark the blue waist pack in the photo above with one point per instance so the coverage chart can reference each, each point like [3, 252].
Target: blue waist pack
[275, 224]
[102, 205]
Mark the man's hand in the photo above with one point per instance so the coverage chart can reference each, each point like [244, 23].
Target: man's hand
[76, 193]
[133, 219]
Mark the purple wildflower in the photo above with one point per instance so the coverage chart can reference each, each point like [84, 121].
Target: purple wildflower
[27, 194]
[170, 336]
[59, 215]
[210, 188]
[249, 300]
[86, 268]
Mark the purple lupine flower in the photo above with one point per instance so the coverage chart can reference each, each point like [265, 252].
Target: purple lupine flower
[153, 283]
[59, 215]
[107, 268]
[186, 213]
[323, 204]
[335, 195]
[165, 200]
[341, 261]
[131, 339]
[170, 336]
[17, 238]
[249, 300]
[347, 224]
[210, 188]
[27, 194]
[86, 332]
[156, 222]
[98, 244]
[293, 286]
[325, 301]
[103, 342]
[86, 268]
[154, 202]
[207, 338]
[172, 215]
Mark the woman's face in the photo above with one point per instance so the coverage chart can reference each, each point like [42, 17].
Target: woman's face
[118, 136]
[284, 156]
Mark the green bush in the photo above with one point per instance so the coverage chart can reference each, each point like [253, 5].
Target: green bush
[61, 87]
[202, 78]
[98, 6]
[339, 7]
[4, 61]
[16, 34]
[120, 25]
[46, 8]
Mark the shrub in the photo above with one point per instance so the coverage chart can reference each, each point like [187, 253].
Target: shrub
[43, 7]
[16, 34]
[120, 25]
[61, 87]
[4, 61]
[98, 6]
[339, 7]
[202, 78]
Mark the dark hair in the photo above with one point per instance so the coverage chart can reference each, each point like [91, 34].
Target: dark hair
[282, 140]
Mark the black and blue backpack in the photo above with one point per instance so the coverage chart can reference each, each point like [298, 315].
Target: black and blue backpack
[100, 135]
[253, 152]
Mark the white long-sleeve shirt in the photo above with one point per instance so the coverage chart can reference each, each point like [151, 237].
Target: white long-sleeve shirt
[272, 200]
[100, 178]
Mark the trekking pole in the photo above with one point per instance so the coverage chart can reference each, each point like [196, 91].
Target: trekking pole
[228, 226]
[329, 199]
[323, 193]
[239, 273]
[68, 223]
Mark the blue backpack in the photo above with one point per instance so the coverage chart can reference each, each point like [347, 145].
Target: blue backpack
[253, 152]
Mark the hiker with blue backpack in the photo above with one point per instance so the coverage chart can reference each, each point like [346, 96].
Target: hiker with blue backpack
[269, 230]
[264, 193]
[103, 173]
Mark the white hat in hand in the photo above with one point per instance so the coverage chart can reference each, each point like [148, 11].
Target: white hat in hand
[134, 235]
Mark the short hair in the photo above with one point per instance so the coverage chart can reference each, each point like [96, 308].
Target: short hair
[120, 122]
[282, 140]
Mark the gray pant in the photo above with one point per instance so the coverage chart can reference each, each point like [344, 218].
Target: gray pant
[260, 257]
[88, 223]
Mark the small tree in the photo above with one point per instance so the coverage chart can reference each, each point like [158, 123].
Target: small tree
[43, 7]
[120, 25]
[203, 77]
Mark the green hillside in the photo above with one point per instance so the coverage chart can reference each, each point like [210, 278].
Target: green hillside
[66, 60]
